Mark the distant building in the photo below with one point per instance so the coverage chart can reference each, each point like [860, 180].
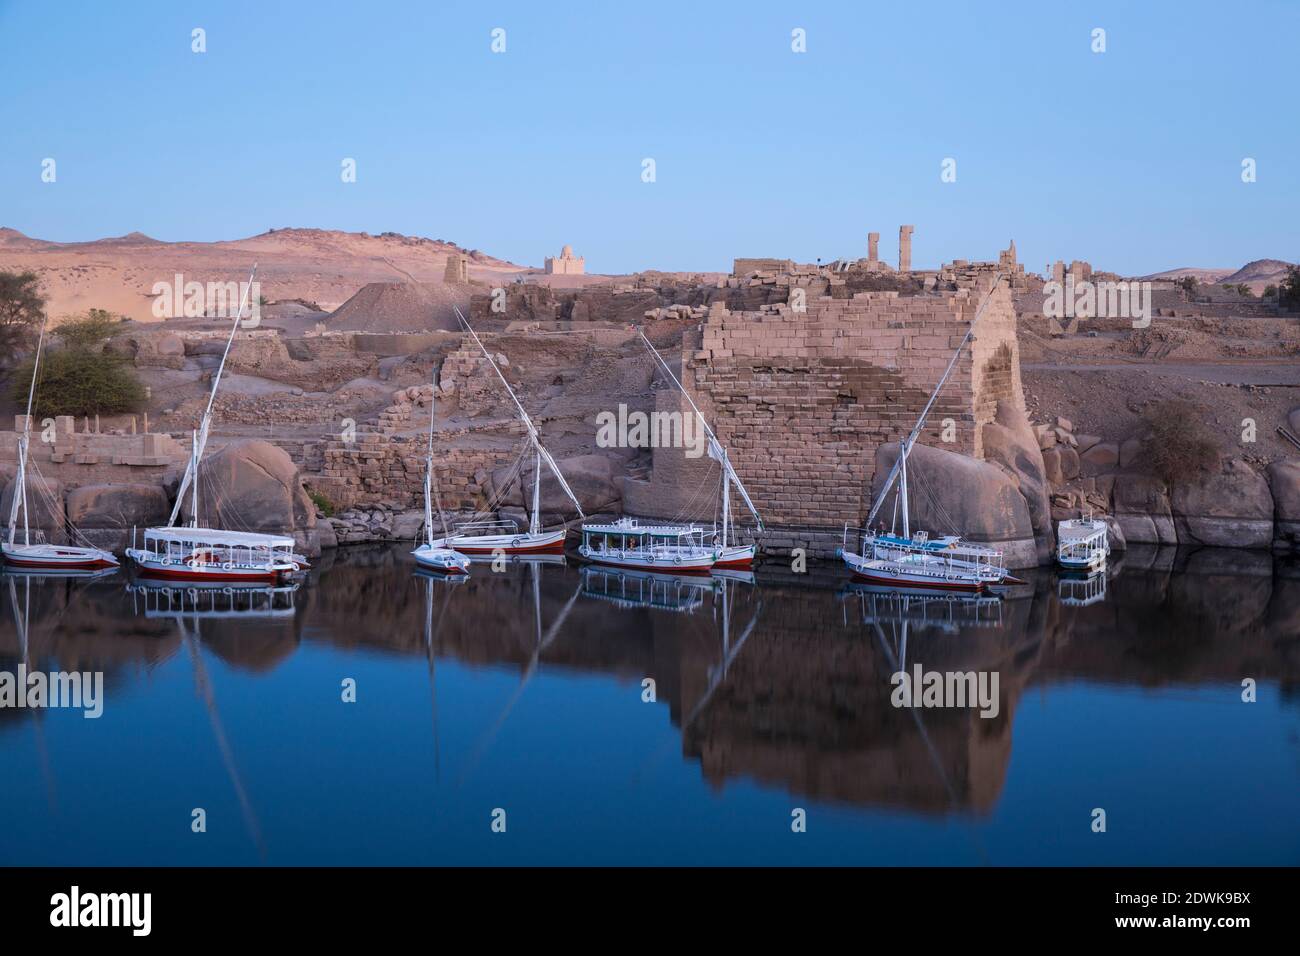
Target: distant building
[566, 264]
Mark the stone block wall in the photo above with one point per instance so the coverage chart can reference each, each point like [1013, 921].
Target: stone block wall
[802, 400]
[386, 468]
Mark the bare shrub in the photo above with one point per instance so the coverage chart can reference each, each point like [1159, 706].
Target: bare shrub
[1178, 445]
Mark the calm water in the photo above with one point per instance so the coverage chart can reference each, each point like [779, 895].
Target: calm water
[522, 690]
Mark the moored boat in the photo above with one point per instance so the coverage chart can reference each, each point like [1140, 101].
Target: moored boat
[433, 555]
[730, 556]
[667, 549]
[39, 555]
[1082, 544]
[496, 536]
[915, 559]
[196, 553]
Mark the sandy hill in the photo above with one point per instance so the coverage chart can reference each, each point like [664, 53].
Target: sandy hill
[1257, 274]
[1201, 275]
[320, 266]
[1263, 271]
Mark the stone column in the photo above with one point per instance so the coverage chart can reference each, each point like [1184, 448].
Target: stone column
[905, 248]
[873, 246]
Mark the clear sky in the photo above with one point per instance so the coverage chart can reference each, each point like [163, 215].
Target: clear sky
[1131, 158]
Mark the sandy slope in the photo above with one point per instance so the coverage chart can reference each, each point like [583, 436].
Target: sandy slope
[324, 267]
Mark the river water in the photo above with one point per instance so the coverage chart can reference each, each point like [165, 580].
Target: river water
[613, 719]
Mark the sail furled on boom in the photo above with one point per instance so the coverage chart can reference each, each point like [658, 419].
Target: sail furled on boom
[716, 451]
[523, 415]
[201, 433]
[906, 447]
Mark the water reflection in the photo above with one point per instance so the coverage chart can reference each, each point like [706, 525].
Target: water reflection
[776, 680]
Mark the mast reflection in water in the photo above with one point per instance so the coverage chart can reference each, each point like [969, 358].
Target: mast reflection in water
[619, 717]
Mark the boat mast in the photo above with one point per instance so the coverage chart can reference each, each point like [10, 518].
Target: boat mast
[542, 453]
[24, 442]
[716, 451]
[726, 501]
[906, 447]
[428, 476]
[535, 522]
[191, 476]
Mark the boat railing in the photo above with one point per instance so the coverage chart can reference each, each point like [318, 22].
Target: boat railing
[487, 526]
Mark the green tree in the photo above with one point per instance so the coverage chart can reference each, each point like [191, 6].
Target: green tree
[22, 308]
[77, 376]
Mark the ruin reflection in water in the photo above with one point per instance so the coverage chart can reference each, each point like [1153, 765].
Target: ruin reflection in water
[530, 690]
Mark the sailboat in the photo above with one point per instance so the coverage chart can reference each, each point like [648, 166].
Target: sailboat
[40, 555]
[195, 553]
[433, 555]
[492, 536]
[730, 556]
[914, 559]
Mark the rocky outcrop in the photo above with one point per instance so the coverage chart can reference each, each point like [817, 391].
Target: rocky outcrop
[149, 348]
[1011, 443]
[106, 514]
[251, 485]
[1142, 511]
[1233, 508]
[952, 493]
[1284, 485]
[595, 480]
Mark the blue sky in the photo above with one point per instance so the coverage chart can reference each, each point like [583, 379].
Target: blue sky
[1129, 158]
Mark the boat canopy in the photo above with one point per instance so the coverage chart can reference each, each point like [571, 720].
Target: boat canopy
[1078, 531]
[629, 527]
[231, 539]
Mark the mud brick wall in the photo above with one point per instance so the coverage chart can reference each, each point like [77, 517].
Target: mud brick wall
[802, 400]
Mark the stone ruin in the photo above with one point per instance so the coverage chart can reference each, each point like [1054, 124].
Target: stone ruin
[804, 400]
[457, 269]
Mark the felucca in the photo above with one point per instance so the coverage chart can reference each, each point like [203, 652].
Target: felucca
[491, 536]
[730, 556]
[432, 555]
[915, 559]
[40, 555]
[195, 553]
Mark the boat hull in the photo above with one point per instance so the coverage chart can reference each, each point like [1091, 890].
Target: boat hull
[545, 542]
[736, 558]
[701, 565]
[888, 574]
[441, 561]
[157, 570]
[52, 557]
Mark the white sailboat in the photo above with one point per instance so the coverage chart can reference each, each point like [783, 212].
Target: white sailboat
[730, 556]
[433, 555]
[915, 559]
[489, 536]
[195, 553]
[40, 555]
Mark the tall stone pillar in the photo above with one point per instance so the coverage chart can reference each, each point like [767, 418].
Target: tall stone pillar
[905, 248]
[873, 246]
